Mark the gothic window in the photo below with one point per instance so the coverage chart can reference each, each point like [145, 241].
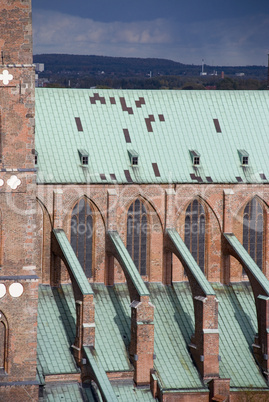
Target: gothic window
[82, 234]
[253, 231]
[195, 232]
[137, 235]
[3, 343]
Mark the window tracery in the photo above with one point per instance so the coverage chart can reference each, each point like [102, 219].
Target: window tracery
[253, 222]
[82, 234]
[195, 232]
[137, 235]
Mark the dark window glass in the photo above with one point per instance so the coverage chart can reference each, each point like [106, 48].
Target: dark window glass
[253, 231]
[245, 160]
[143, 252]
[137, 235]
[82, 235]
[202, 243]
[84, 160]
[135, 160]
[195, 232]
[196, 160]
[2, 345]
[188, 231]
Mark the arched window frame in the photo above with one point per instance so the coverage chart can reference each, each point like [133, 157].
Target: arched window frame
[4, 346]
[196, 240]
[253, 237]
[87, 237]
[141, 260]
[1, 241]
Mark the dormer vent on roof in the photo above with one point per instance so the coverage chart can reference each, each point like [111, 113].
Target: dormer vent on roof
[133, 156]
[36, 156]
[195, 157]
[84, 157]
[244, 157]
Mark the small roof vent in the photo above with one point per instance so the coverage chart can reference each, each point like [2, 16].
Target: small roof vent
[36, 157]
[133, 156]
[196, 157]
[84, 157]
[244, 157]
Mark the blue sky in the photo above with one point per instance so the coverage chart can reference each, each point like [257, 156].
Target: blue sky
[229, 32]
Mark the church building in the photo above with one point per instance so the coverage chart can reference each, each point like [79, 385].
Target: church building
[134, 228]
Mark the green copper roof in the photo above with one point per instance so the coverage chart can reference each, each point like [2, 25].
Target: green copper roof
[173, 327]
[248, 261]
[55, 333]
[161, 126]
[125, 391]
[237, 328]
[112, 326]
[190, 261]
[66, 393]
[100, 375]
[127, 264]
[73, 262]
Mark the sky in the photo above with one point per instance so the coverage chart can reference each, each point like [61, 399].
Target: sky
[220, 33]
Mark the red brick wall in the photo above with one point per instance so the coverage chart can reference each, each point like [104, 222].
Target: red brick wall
[249, 396]
[20, 314]
[16, 31]
[25, 393]
[185, 397]
[211, 197]
[18, 204]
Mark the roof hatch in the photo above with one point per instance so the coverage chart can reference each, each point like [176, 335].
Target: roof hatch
[133, 156]
[244, 157]
[84, 157]
[195, 156]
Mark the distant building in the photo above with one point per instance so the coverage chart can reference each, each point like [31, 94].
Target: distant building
[203, 72]
[39, 67]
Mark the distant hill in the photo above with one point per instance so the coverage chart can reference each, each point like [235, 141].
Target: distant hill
[65, 64]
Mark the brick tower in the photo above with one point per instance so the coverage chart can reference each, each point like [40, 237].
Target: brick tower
[18, 276]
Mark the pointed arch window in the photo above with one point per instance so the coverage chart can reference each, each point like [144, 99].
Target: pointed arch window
[253, 223]
[195, 232]
[3, 343]
[137, 235]
[82, 234]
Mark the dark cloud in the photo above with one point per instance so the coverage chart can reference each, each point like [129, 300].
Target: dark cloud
[129, 10]
[221, 35]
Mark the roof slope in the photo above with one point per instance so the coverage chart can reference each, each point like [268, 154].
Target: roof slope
[72, 392]
[55, 333]
[237, 327]
[162, 127]
[174, 325]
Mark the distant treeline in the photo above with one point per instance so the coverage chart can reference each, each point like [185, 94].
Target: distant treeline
[73, 71]
[132, 66]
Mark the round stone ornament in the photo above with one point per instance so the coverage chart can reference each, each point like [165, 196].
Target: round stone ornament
[3, 290]
[16, 289]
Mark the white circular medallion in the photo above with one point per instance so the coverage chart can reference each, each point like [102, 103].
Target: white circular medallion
[15, 290]
[3, 290]
[6, 77]
[1, 182]
[13, 182]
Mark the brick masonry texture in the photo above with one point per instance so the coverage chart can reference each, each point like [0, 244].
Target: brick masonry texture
[18, 229]
[211, 196]
[30, 255]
